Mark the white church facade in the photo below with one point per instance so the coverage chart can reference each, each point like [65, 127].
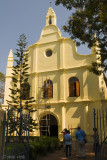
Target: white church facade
[64, 89]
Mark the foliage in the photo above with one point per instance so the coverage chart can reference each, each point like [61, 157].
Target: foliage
[38, 148]
[88, 19]
[2, 82]
[20, 91]
[42, 146]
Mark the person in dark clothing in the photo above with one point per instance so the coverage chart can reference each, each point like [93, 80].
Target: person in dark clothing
[95, 140]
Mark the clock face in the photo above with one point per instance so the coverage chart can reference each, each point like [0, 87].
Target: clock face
[48, 53]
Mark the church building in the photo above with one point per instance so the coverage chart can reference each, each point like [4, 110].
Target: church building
[66, 92]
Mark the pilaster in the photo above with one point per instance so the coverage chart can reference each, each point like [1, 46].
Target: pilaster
[62, 56]
[62, 85]
[63, 117]
[85, 84]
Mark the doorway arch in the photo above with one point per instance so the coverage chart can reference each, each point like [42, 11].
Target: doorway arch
[49, 126]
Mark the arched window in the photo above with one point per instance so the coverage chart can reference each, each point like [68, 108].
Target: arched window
[25, 91]
[74, 88]
[48, 89]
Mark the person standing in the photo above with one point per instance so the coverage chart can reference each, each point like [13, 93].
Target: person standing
[80, 136]
[64, 133]
[67, 142]
[95, 140]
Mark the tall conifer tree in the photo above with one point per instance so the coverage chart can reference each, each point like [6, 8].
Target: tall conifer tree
[20, 91]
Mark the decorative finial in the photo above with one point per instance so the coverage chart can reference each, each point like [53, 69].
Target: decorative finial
[50, 4]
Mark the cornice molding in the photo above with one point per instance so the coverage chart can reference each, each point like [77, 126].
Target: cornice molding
[60, 70]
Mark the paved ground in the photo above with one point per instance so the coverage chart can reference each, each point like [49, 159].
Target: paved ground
[60, 154]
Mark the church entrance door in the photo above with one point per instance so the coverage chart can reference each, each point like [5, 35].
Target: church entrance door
[49, 126]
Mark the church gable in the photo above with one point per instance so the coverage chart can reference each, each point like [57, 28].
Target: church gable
[72, 59]
[65, 48]
[49, 33]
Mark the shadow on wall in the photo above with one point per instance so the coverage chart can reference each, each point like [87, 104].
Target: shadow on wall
[78, 117]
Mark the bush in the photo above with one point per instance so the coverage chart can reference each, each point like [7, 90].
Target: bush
[42, 146]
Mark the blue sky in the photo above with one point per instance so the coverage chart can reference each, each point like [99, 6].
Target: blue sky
[28, 17]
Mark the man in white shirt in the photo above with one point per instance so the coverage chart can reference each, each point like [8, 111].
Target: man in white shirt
[67, 142]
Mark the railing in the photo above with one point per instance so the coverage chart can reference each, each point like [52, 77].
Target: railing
[100, 130]
[16, 135]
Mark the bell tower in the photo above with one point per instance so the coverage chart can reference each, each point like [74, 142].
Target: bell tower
[8, 77]
[50, 17]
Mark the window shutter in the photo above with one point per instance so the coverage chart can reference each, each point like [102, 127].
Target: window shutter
[50, 91]
[27, 95]
[45, 92]
[71, 89]
[77, 88]
[25, 87]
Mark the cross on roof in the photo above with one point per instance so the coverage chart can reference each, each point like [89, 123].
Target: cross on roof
[50, 4]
